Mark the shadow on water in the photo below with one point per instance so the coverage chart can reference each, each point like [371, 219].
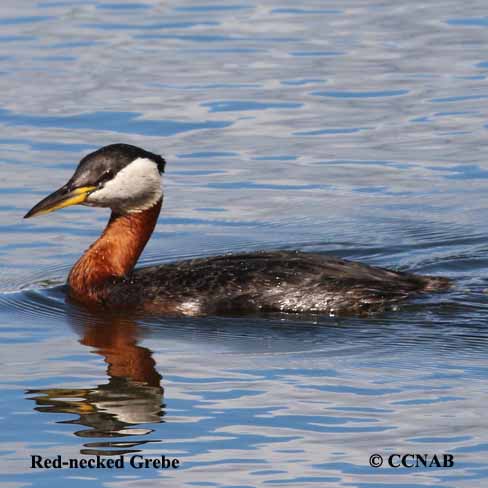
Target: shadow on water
[114, 410]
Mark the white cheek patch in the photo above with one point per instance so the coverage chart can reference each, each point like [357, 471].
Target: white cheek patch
[135, 188]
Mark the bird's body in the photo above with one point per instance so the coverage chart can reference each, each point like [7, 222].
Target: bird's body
[263, 282]
[126, 179]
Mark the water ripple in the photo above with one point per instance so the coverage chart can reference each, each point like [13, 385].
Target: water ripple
[363, 94]
[120, 122]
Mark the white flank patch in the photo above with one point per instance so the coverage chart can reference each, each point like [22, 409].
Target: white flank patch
[134, 188]
[191, 307]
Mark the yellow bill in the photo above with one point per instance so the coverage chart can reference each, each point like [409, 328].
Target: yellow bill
[60, 199]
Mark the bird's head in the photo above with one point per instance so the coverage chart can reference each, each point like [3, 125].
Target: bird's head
[122, 177]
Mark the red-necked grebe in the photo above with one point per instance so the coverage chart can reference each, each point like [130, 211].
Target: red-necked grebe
[127, 180]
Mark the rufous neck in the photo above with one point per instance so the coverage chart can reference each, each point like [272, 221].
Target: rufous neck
[114, 254]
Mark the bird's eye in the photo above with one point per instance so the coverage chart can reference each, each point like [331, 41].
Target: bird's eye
[107, 175]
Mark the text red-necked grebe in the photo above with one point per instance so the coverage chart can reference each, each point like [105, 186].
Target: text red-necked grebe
[127, 179]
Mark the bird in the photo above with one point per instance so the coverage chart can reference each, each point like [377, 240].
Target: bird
[128, 180]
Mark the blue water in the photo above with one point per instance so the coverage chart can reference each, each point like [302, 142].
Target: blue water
[352, 128]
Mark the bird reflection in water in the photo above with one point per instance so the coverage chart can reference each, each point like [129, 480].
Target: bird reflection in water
[132, 396]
